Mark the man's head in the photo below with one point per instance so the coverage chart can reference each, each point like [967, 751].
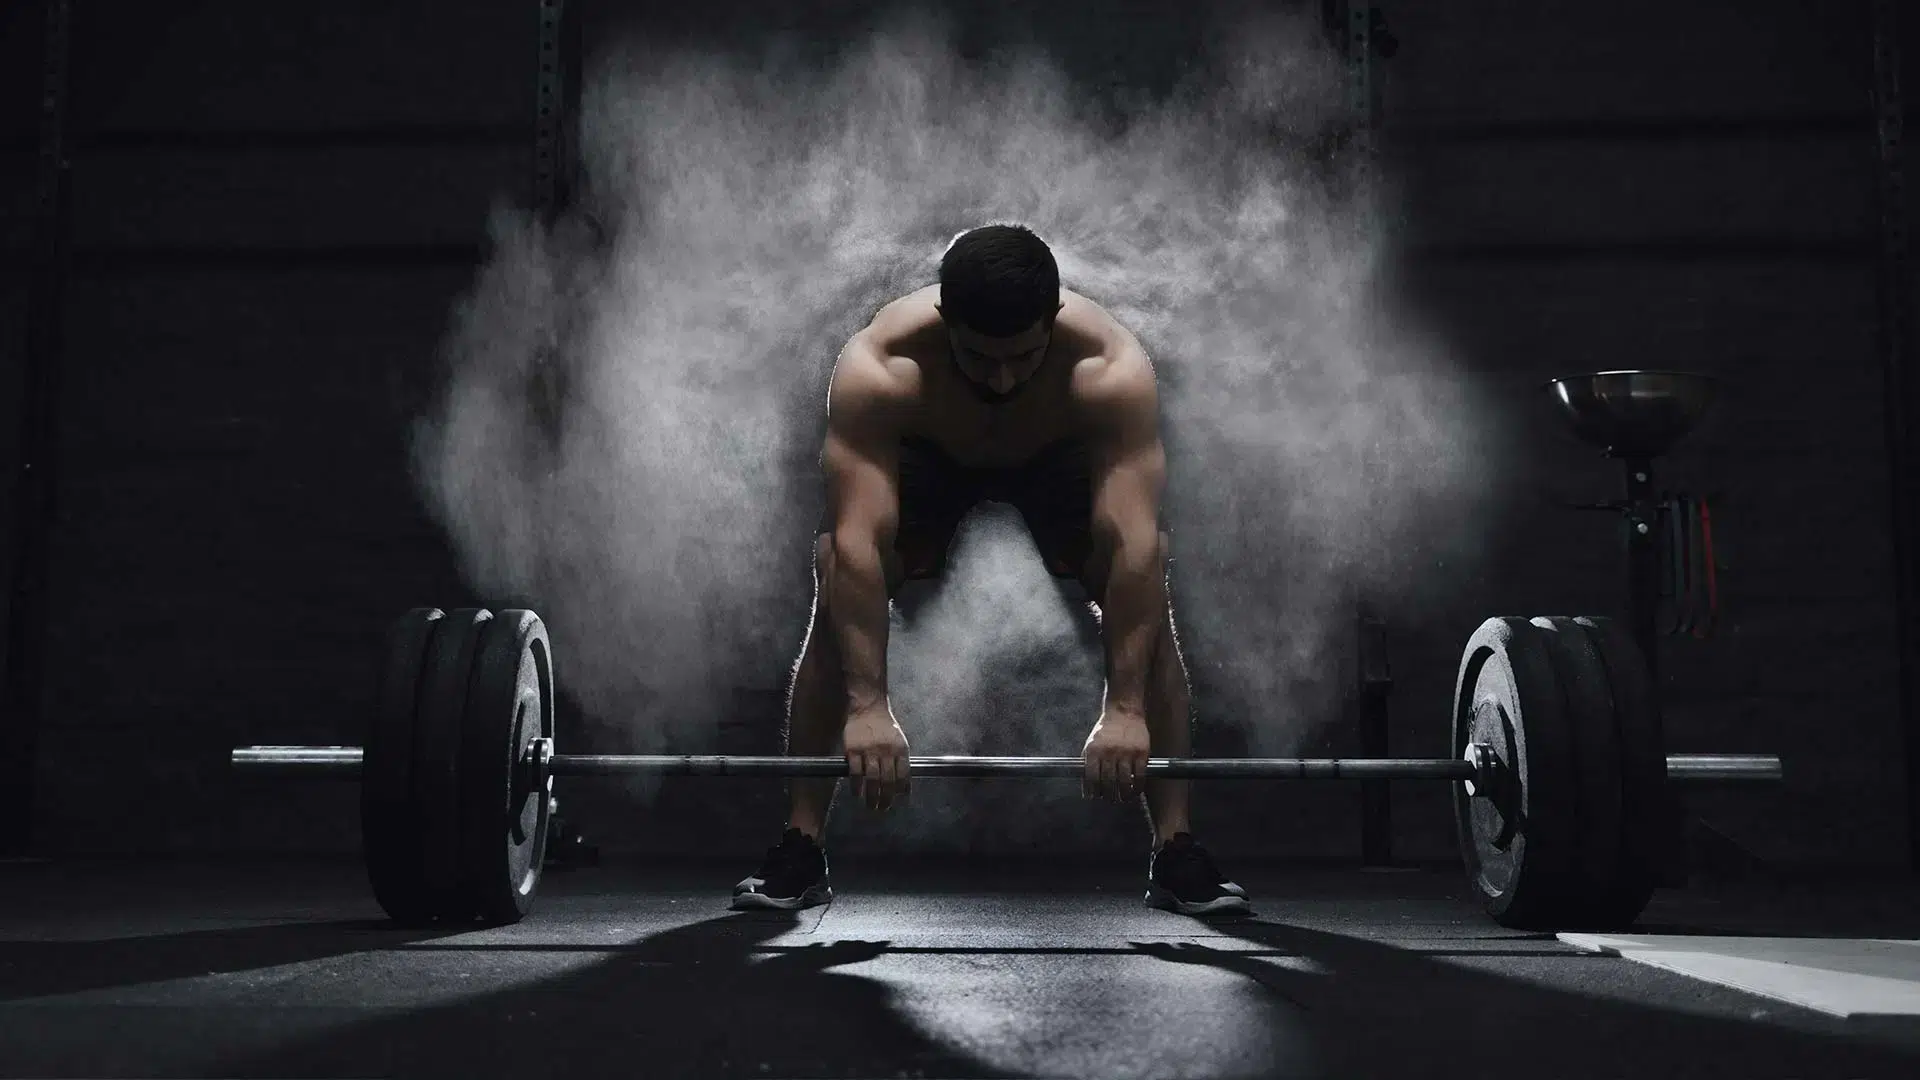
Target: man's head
[999, 293]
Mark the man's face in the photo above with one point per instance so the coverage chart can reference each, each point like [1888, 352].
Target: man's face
[996, 369]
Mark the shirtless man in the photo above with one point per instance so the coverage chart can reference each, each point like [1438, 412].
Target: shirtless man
[996, 384]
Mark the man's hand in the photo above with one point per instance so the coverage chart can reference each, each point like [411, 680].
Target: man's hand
[1116, 755]
[876, 756]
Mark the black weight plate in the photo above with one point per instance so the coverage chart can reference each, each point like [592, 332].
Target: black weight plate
[389, 831]
[1490, 823]
[1518, 848]
[1649, 821]
[1592, 732]
[436, 756]
[503, 821]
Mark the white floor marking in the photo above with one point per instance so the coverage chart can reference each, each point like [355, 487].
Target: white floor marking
[1846, 977]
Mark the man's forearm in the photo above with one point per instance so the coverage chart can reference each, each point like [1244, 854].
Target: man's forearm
[1132, 611]
[857, 609]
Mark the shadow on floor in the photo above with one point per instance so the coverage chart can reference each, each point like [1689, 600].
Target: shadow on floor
[719, 997]
[1381, 1010]
[32, 969]
[706, 999]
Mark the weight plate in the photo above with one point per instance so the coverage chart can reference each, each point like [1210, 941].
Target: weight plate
[503, 809]
[1599, 802]
[1649, 820]
[1518, 845]
[437, 757]
[389, 831]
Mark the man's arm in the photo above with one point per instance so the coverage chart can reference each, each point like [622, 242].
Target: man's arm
[1130, 466]
[861, 459]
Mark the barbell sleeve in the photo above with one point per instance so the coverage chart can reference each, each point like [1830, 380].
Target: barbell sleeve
[1705, 767]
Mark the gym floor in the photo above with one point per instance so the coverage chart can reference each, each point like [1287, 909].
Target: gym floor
[289, 969]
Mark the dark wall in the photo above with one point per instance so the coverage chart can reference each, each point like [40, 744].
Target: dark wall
[274, 207]
[276, 204]
[1643, 185]
[20, 54]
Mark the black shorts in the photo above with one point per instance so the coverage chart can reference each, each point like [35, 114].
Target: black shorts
[1053, 491]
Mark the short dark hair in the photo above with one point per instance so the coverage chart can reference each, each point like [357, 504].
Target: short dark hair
[998, 280]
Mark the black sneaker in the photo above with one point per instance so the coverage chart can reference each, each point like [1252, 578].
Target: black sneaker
[1184, 880]
[793, 876]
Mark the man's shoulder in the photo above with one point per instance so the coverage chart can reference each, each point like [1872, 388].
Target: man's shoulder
[874, 382]
[901, 323]
[1113, 368]
[870, 373]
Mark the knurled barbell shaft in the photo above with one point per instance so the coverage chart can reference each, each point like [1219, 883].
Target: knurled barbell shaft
[985, 767]
[345, 760]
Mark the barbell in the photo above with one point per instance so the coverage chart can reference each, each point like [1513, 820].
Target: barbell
[346, 762]
[1561, 798]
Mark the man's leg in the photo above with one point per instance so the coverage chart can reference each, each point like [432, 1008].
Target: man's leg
[1169, 728]
[1182, 876]
[815, 706]
[794, 873]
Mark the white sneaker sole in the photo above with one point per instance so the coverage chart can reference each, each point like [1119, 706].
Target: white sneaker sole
[1234, 903]
[758, 901]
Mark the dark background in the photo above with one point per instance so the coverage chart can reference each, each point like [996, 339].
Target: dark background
[275, 204]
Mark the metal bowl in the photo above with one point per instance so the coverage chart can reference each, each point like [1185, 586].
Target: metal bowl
[1633, 414]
